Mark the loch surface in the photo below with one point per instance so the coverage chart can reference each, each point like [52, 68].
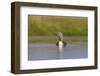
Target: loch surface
[45, 51]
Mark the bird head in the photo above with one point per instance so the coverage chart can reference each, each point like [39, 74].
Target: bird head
[59, 35]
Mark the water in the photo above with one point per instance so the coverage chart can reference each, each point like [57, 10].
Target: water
[44, 51]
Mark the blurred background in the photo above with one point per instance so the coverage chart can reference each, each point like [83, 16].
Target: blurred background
[44, 28]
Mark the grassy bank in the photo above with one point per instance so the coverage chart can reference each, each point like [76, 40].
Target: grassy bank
[48, 25]
[53, 39]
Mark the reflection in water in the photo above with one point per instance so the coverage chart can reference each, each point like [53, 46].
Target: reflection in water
[60, 51]
[45, 51]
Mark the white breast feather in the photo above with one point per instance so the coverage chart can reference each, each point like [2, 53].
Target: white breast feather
[60, 44]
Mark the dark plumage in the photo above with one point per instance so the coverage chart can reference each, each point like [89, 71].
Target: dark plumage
[60, 39]
[64, 43]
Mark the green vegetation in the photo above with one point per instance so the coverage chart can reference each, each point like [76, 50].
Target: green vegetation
[53, 39]
[48, 25]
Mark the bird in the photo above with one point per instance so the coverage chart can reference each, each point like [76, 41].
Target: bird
[60, 41]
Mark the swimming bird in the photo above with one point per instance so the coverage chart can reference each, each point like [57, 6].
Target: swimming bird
[60, 41]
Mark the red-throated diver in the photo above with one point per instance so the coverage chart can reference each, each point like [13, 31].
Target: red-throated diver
[60, 43]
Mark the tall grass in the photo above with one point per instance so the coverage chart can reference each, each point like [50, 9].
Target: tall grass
[48, 25]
